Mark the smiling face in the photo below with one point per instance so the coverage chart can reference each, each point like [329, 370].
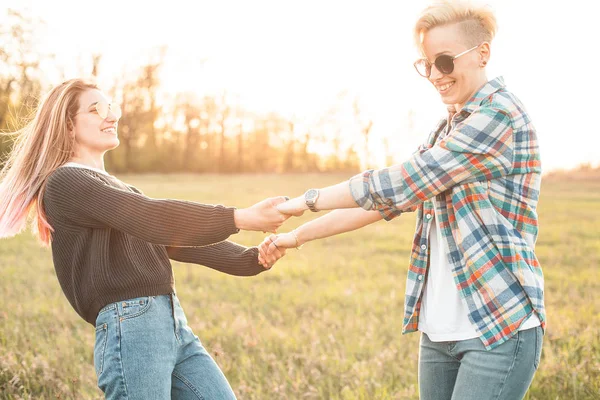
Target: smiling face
[468, 76]
[94, 134]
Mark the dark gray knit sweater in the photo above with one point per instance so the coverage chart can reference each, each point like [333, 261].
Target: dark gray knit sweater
[111, 243]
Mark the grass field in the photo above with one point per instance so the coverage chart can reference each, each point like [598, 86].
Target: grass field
[324, 323]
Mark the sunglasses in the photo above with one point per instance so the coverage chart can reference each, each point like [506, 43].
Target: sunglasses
[102, 108]
[443, 63]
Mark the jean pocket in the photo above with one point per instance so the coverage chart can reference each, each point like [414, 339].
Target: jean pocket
[539, 340]
[100, 348]
[135, 307]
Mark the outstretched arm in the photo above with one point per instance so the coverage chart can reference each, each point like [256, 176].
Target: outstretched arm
[77, 195]
[228, 257]
[330, 198]
[480, 149]
[334, 223]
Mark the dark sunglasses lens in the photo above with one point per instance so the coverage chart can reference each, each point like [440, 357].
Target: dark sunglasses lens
[444, 64]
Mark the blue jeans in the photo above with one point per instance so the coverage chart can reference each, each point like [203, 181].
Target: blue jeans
[465, 370]
[145, 350]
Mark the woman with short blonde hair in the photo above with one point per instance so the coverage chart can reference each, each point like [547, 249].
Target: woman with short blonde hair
[475, 288]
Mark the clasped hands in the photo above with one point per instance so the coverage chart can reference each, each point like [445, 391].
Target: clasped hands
[267, 216]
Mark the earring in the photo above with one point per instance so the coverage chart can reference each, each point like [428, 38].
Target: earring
[483, 63]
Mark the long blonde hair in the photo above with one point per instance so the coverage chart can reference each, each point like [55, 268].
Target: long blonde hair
[40, 147]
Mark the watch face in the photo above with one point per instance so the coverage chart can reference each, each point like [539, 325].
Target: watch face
[311, 194]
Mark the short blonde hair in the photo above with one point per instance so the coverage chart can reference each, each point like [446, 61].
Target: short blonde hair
[477, 22]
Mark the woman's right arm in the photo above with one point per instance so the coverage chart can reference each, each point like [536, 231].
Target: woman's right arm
[77, 195]
[480, 148]
[333, 223]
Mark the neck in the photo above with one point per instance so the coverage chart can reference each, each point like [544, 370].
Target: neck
[482, 81]
[91, 160]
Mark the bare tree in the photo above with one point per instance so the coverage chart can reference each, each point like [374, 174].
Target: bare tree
[290, 144]
[189, 106]
[140, 113]
[222, 116]
[96, 64]
[241, 114]
[20, 86]
[365, 124]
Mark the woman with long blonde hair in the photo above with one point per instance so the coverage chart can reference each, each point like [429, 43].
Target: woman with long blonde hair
[112, 245]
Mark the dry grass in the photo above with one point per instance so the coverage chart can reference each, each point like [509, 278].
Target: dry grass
[324, 324]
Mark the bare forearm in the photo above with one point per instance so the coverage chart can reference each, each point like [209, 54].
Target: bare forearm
[330, 198]
[336, 222]
[336, 196]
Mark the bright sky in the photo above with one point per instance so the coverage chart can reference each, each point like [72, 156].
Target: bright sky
[294, 57]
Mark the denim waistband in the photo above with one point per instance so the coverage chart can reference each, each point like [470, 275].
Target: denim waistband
[121, 305]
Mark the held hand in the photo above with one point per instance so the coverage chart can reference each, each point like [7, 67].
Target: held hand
[281, 242]
[268, 260]
[263, 216]
[295, 207]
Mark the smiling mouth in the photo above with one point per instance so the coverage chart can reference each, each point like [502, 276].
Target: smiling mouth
[112, 130]
[444, 88]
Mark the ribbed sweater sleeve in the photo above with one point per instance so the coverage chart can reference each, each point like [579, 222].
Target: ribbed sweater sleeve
[228, 257]
[86, 200]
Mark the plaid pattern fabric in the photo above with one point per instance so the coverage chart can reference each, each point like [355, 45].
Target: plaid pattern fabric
[483, 167]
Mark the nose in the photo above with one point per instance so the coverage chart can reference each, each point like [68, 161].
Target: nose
[113, 116]
[435, 74]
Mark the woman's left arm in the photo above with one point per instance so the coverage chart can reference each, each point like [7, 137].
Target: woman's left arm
[228, 257]
[333, 223]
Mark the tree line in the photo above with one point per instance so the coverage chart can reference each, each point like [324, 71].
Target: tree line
[189, 133]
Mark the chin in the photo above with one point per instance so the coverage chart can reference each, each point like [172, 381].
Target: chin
[445, 100]
[452, 100]
[113, 145]
[448, 100]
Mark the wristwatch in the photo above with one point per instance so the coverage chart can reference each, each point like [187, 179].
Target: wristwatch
[310, 197]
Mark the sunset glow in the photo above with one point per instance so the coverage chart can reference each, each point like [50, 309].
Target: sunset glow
[296, 58]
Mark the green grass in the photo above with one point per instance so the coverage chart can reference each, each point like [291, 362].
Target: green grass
[324, 323]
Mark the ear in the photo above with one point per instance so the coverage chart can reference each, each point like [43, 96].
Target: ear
[71, 128]
[484, 53]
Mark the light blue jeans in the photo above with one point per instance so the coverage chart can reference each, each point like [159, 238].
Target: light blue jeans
[465, 370]
[145, 350]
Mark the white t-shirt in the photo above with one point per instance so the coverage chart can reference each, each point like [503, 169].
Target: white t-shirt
[444, 315]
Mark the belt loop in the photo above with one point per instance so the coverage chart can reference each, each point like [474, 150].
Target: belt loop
[172, 305]
[176, 328]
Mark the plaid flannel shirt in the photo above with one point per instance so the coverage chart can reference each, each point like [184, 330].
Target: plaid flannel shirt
[484, 171]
